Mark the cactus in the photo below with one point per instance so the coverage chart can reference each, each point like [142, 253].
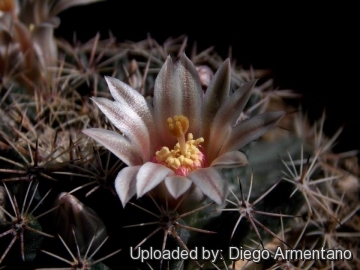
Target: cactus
[111, 150]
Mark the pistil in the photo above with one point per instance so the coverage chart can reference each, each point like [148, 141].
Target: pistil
[178, 127]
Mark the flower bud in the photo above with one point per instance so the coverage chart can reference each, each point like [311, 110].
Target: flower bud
[205, 74]
[73, 215]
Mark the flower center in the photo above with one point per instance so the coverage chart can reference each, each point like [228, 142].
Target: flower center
[186, 155]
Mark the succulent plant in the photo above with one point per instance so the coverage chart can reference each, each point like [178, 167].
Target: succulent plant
[113, 153]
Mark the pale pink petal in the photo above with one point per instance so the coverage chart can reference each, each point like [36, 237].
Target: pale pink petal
[149, 176]
[117, 144]
[129, 123]
[177, 91]
[124, 93]
[125, 183]
[226, 118]
[177, 185]
[216, 141]
[211, 183]
[165, 104]
[230, 160]
[230, 111]
[250, 130]
[191, 93]
[216, 95]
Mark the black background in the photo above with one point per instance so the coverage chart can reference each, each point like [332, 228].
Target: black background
[313, 50]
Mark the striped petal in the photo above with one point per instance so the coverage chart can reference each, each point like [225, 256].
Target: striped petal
[128, 122]
[210, 182]
[216, 142]
[191, 93]
[124, 93]
[216, 95]
[149, 176]
[230, 160]
[164, 96]
[117, 144]
[177, 91]
[125, 183]
[250, 130]
[230, 111]
[226, 118]
[177, 185]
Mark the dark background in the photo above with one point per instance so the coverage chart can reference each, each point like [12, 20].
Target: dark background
[313, 50]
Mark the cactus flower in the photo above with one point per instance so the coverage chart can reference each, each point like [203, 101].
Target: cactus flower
[27, 43]
[184, 137]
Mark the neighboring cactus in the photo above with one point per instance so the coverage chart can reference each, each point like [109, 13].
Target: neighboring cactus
[27, 44]
[285, 190]
[22, 224]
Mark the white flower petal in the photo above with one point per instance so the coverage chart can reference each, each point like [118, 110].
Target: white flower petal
[230, 160]
[124, 93]
[216, 94]
[226, 117]
[128, 122]
[177, 185]
[217, 140]
[250, 130]
[211, 183]
[125, 183]
[191, 93]
[177, 91]
[117, 144]
[165, 97]
[230, 111]
[149, 176]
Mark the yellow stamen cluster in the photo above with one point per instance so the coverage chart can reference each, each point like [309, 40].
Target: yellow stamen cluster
[190, 159]
[186, 155]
